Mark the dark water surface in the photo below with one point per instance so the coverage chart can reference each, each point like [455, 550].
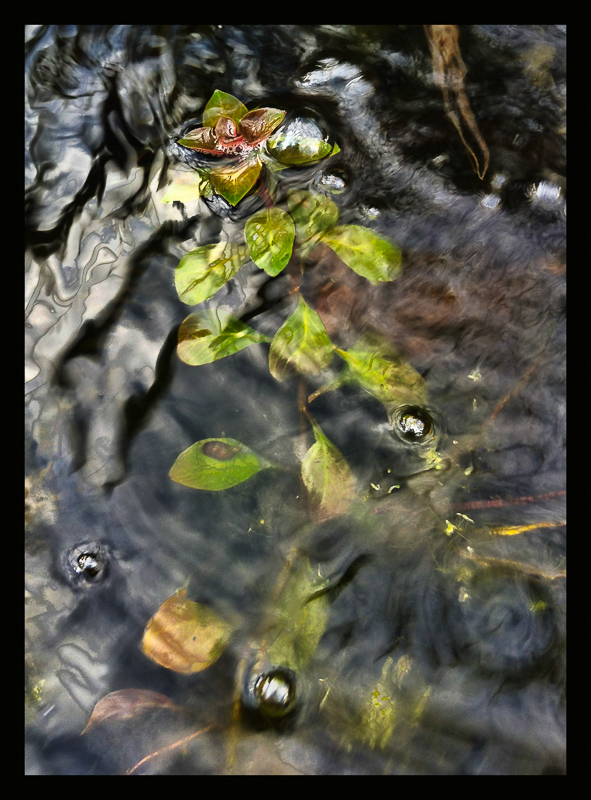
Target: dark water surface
[453, 635]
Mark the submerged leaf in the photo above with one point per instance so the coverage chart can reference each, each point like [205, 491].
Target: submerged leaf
[365, 253]
[379, 714]
[269, 236]
[234, 181]
[312, 213]
[205, 270]
[295, 151]
[327, 477]
[383, 373]
[301, 618]
[221, 104]
[301, 344]
[185, 636]
[212, 334]
[215, 464]
[126, 704]
[258, 125]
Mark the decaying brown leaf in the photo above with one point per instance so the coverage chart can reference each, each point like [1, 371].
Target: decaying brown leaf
[185, 636]
[127, 703]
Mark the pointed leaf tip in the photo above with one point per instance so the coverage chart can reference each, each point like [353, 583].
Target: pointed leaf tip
[327, 477]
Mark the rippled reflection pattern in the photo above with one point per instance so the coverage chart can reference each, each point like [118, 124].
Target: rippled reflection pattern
[433, 622]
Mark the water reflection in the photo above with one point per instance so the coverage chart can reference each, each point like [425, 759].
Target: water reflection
[443, 650]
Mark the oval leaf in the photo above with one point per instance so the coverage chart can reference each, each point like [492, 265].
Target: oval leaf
[301, 344]
[300, 620]
[185, 636]
[221, 104]
[127, 703]
[365, 253]
[383, 373]
[312, 213]
[327, 477]
[260, 124]
[215, 464]
[213, 334]
[269, 236]
[205, 270]
[297, 151]
[234, 181]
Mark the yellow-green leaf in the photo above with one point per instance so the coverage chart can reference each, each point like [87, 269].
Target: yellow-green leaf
[327, 478]
[301, 344]
[185, 636]
[378, 369]
[295, 150]
[365, 252]
[269, 236]
[311, 213]
[212, 334]
[236, 180]
[205, 270]
[221, 104]
[300, 620]
[216, 464]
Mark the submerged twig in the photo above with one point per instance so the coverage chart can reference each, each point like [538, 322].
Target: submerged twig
[170, 747]
[448, 73]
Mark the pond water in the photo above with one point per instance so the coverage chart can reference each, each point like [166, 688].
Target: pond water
[440, 648]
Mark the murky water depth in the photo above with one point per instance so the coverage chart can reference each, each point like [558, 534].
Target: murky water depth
[444, 646]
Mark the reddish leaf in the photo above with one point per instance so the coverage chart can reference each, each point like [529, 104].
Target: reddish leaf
[260, 124]
[126, 703]
[226, 127]
[200, 139]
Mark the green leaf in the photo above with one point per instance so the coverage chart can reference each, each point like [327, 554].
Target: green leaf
[379, 370]
[187, 186]
[216, 464]
[312, 213]
[184, 636]
[221, 104]
[258, 125]
[301, 618]
[301, 344]
[213, 334]
[327, 477]
[205, 270]
[335, 149]
[234, 181]
[365, 253]
[269, 236]
[297, 151]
